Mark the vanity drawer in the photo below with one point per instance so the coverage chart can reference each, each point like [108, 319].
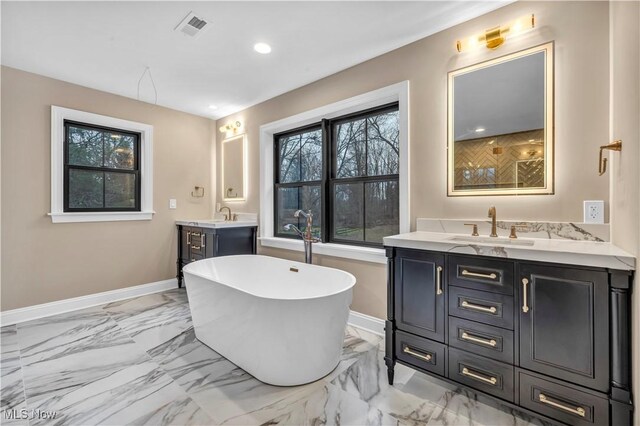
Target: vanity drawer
[422, 353]
[484, 374]
[481, 274]
[488, 308]
[482, 339]
[196, 256]
[198, 243]
[570, 405]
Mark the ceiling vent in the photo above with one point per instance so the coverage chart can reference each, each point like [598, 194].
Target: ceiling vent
[193, 26]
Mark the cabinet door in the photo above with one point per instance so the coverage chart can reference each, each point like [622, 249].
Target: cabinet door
[232, 241]
[420, 293]
[564, 323]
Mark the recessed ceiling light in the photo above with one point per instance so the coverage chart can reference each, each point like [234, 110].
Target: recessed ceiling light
[480, 130]
[213, 106]
[263, 48]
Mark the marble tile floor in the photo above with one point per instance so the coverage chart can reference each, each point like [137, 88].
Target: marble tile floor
[138, 361]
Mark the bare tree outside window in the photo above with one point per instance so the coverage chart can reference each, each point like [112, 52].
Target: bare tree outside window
[355, 162]
[299, 186]
[101, 169]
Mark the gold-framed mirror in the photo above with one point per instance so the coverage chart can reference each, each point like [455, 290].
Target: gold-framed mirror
[500, 125]
[234, 168]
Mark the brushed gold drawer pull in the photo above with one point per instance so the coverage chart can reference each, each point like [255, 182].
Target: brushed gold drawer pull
[525, 306]
[491, 276]
[425, 357]
[578, 410]
[471, 338]
[195, 247]
[188, 238]
[491, 380]
[491, 310]
[203, 240]
[196, 234]
[439, 280]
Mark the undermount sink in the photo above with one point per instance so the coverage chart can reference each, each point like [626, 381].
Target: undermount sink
[493, 240]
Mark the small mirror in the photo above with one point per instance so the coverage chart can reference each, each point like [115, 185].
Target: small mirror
[501, 125]
[234, 168]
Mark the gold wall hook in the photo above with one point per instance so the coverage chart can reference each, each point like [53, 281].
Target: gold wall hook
[602, 162]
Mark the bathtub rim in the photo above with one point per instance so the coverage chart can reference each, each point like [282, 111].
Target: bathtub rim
[348, 287]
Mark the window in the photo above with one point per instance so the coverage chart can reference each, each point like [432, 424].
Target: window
[346, 171]
[101, 170]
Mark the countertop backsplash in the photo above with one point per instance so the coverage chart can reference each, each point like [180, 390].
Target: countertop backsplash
[525, 229]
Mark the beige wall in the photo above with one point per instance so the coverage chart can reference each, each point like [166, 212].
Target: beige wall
[44, 262]
[581, 34]
[625, 175]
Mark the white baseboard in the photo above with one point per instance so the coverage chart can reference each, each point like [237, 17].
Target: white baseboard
[366, 322]
[15, 316]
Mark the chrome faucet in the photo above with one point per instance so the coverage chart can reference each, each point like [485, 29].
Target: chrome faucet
[227, 217]
[492, 215]
[306, 236]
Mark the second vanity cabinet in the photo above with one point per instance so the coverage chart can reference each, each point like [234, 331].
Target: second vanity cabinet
[196, 243]
[545, 338]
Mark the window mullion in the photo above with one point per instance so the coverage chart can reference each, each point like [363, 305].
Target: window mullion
[366, 173]
[327, 159]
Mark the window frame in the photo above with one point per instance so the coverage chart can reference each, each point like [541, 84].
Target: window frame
[145, 158]
[400, 92]
[135, 171]
[276, 181]
[333, 180]
[329, 167]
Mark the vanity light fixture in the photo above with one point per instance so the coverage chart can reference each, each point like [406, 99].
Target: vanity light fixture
[231, 128]
[480, 130]
[495, 37]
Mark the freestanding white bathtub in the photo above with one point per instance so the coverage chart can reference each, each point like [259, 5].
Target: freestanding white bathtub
[281, 321]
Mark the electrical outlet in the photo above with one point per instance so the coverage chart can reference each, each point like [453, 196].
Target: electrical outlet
[593, 211]
[173, 203]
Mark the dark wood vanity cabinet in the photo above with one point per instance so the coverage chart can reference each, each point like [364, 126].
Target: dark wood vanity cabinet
[196, 243]
[552, 340]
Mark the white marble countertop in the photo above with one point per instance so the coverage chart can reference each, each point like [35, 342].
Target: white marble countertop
[572, 252]
[217, 223]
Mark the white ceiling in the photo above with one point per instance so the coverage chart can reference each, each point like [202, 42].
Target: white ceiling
[107, 45]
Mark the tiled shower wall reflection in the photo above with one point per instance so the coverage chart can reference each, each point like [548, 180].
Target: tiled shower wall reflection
[514, 160]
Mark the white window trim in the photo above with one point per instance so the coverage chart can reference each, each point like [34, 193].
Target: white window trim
[58, 215]
[398, 92]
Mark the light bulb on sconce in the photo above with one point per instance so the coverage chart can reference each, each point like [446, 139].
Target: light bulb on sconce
[231, 128]
[495, 37]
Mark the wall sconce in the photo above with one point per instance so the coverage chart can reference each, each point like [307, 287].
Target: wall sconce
[231, 128]
[602, 162]
[494, 37]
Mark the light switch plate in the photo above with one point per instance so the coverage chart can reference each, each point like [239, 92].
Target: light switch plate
[173, 203]
[593, 211]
